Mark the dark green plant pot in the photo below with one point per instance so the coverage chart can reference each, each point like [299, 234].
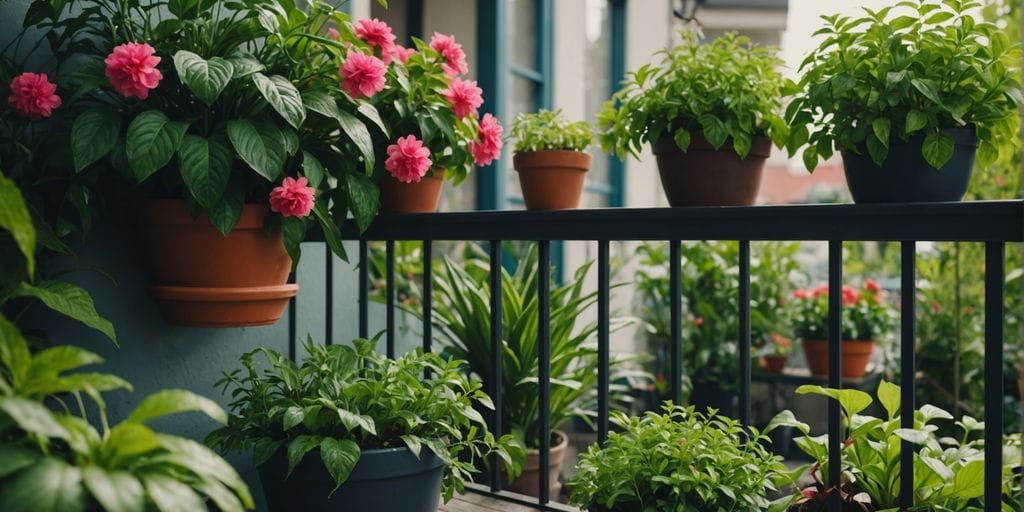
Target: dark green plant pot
[905, 176]
[383, 480]
[710, 394]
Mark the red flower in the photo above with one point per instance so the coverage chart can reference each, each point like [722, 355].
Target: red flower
[376, 33]
[872, 285]
[464, 96]
[293, 198]
[408, 161]
[936, 306]
[801, 294]
[362, 75]
[699, 321]
[33, 96]
[820, 290]
[451, 51]
[131, 69]
[488, 147]
[850, 296]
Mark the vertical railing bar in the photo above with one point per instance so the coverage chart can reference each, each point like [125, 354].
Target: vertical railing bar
[292, 312]
[389, 262]
[544, 363]
[497, 351]
[744, 334]
[428, 296]
[328, 295]
[835, 381]
[603, 339]
[364, 289]
[994, 275]
[908, 367]
[675, 303]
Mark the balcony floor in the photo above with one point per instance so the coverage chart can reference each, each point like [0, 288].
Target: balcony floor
[472, 502]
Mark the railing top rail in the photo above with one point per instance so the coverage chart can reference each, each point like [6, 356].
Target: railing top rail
[971, 221]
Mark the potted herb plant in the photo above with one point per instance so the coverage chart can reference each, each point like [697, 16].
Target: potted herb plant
[710, 112]
[679, 460]
[948, 472]
[776, 353]
[551, 159]
[909, 95]
[431, 112]
[221, 113]
[349, 428]
[866, 318]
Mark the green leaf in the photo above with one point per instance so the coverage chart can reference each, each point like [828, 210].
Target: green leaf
[881, 127]
[293, 231]
[356, 130]
[50, 485]
[331, 231]
[682, 139]
[810, 157]
[15, 458]
[14, 352]
[786, 419]
[170, 495]
[151, 142]
[55, 360]
[312, 169]
[205, 78]
[915, 121]
[205, 168]
[282, 96]
[293, 416]
[363, 199]
[298, 448]
[714, 130]
[254, 149]
[70, 301]
[852, 400]
[32, 416]
[927, 88]
[204, 462]
[340, 456]
[127, 440]
[889, 396]
[245, 64]
[116, 491]
[14, 217]
[173, 401]
[93, 135]
[352, 421]
[370, 112]
[225, 214]
[969, 481]
[876, 149]
[938, 149]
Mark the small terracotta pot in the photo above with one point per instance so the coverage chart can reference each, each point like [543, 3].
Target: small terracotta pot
[529, 481]
[205, 279]
[552, 180]
[856, 355]
[419, 197]
[704, 176]
[774, 364]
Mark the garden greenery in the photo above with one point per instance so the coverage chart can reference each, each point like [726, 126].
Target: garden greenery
[546, 130]
[679, 460]
[908, 70]
[728, 90]
[867, 315]
[341, 400]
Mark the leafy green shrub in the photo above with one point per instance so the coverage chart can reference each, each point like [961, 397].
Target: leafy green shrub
[343, 400]
[911, 69]
[679, 460]
[725, 89]
[867, 314]
[547, 130]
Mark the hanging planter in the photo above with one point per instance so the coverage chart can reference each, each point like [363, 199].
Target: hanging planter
[416, 197]
[205, 279]
[705, 176]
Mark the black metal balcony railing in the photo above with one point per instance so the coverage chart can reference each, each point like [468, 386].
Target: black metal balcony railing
[992, 222]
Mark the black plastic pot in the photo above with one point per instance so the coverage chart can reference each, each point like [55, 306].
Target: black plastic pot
[711, 395]
[383, 480]
[905, 176]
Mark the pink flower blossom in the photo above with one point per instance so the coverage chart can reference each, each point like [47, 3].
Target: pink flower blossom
[850, 296]
[408, 161]
[451, 51]
[362, 75]
[33, 95]
[488, 147]
[699, 321]
[402, 53]
[801, 294]
[872, 285]
[376, 33]
[464, 96]
[333, 34]
[131, 69]
[293, 198]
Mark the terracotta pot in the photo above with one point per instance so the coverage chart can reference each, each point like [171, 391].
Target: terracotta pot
[419, 197]
[856, 355]
[774, 364]
[704, 176]
[552, 180]
[202, 278]
[529, 481]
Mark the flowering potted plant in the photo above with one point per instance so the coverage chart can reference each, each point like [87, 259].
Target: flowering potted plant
[908, 94]
[710, 112]
[431, 112]
[222, 113]
[551, 159]
[347, 429]
[866, 317]
[775, 354]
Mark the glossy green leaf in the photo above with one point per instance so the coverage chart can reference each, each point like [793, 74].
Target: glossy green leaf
[15, 458]
[205, 78]
[282, 96]
[938, 149]
[889, 396]
[170, 495]
[363, 199]
[915, 121]
[225, 214]
[14, 218]
[14, 352]
[93, 135]
[50, 485]
[263, 156]
[312, 169]
[339, 457]
[682, 139]
[969, 481]
[298, 448]
[852, 401]
[174, 401]
[205, 168]
[71, 301]
[116, 491]
[151, 141]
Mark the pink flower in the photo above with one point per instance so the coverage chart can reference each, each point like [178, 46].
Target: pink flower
[131, 69]
[850, 296]
[333, 34]
[33, 95]
[293, 198]
[377, 33]
[488, 147]
[465, 97]
[822, 289]
[455, 58]
[362, 75]
[408, 161]
[402, 53]
[872, 285]
[699, 321]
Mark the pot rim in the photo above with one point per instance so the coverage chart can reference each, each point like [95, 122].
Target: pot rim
[565, 159]
[561, 445]
[226, 294]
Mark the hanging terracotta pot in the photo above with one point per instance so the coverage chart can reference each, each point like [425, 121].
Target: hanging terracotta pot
[205, 279]
[705, 176]
[419, 197]
[552, 180]
[855, 354]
